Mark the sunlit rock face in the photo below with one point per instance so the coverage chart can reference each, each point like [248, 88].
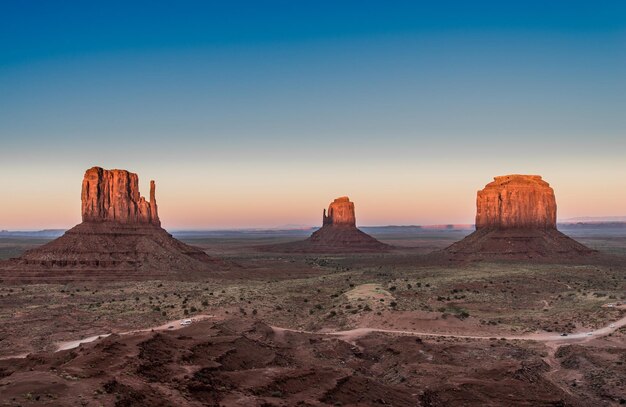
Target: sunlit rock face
[516, 201]
[113, 195]
[340, 212]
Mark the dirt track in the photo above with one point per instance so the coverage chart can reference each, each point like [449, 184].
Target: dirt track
[353, 334]
[357, 333]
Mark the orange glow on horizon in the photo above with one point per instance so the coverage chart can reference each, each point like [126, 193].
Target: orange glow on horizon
[272, 198]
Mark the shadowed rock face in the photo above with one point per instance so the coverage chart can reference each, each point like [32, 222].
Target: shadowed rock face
[340, 212]
[338, 234]
[113, 195]
[516, 201]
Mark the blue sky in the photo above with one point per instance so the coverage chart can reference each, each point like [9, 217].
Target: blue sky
[239, 108]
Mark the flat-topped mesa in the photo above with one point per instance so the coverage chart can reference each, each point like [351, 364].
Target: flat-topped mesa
[340, 213]
[516, 202]
[113, 196]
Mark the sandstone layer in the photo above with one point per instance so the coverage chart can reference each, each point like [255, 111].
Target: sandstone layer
[338, 234]
[120, 238]
[516, 220]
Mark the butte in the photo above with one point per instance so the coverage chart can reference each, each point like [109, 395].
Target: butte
[120, 237]
[516, 220]
[338, 234]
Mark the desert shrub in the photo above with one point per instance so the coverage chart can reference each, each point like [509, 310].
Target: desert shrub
[462, 315]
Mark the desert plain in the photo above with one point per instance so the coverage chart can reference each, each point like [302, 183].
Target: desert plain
[394, 328]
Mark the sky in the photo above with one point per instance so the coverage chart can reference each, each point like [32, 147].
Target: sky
[259, 114]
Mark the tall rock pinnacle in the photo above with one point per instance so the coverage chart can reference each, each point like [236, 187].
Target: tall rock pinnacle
[516, 201]
[113, 196]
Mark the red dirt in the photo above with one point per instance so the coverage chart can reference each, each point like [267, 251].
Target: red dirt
[244, 363]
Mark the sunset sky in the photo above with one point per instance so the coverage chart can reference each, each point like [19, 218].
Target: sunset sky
[258, 114]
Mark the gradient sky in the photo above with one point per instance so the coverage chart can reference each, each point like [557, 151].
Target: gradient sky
[258, 114]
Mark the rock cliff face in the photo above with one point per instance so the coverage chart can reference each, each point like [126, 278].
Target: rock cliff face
[113, 196]
[516, 201]
[516, 220]
[340, 212]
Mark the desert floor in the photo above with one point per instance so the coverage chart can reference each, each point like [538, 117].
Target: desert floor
[317, 330]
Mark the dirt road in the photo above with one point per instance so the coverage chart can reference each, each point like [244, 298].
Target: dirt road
[353, 334]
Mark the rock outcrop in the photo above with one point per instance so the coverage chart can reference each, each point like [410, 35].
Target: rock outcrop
[113, 196]
[120, 238]
[338, 234]
[516, 219]
[340, 212]
[516, 201]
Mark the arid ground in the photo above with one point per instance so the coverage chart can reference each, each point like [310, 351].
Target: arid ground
[276, 329]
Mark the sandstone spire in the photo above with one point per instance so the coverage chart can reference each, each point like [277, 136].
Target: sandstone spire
[113, 196]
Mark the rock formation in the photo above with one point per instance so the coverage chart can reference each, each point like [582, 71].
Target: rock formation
[113, 196]
[516, 201]
[340, 212]
[516, 219]
[338, 234]
[120, 237]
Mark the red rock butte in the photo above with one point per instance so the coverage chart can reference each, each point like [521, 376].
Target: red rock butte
[120, 238]
[113, 196]
[338, 234]
[516, 219]
[516, 201]
[340, 212]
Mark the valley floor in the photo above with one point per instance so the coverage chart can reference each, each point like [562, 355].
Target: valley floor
[367, 329]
